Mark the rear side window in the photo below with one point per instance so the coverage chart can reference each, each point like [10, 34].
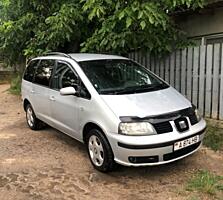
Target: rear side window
[44, 72]
[30, 70]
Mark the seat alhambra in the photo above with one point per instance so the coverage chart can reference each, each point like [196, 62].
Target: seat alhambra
[120, 110]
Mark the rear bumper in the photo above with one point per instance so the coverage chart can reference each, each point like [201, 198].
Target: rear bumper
[140, 152]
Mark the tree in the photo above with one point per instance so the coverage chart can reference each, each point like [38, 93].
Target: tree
[126, 25]
[29, 28]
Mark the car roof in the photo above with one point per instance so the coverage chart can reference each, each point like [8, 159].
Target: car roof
[92, 56]
[79, 57]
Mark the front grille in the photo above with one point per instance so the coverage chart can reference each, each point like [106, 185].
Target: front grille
[163, 127]
[181, 152]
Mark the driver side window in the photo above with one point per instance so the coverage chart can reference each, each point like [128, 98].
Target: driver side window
[64, 77]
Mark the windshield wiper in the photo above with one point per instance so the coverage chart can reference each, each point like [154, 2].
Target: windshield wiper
[135, 89]
[129, 90]
[143, 88]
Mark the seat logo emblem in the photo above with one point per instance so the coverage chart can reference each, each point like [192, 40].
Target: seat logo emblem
[182, 125]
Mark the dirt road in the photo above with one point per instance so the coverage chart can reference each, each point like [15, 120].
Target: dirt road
[47, 165]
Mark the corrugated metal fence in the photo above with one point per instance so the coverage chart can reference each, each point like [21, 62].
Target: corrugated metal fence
[196, 72]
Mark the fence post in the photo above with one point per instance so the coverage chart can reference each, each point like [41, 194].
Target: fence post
[183, 71]
[221, 88]
[201, 79]
[215, 88]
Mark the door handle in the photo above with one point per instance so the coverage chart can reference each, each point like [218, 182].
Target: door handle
[32, 91]
[52, 98]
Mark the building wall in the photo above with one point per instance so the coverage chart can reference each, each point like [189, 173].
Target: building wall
[205, 26]
[207, 22]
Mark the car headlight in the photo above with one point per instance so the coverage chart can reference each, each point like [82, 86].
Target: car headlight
[136, 128]
[197, 115]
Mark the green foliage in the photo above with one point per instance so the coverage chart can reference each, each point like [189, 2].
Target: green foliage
[29, 28]
[127, 25]
[15, 85]
[214, 137]
[61, 27]
[205, 182]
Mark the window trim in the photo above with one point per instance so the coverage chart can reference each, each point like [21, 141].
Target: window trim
[203, 38]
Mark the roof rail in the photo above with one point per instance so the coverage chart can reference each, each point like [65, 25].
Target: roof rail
[58, 54]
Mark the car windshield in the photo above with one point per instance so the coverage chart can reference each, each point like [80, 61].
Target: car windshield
[120, 76]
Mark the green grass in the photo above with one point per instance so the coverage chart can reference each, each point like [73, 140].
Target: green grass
[214, 137]
[205, 182]
[15, 85]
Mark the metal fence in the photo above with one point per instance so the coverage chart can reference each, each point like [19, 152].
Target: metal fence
[196, 72]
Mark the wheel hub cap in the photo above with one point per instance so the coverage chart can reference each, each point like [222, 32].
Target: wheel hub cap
[30, 118]
[96, 150]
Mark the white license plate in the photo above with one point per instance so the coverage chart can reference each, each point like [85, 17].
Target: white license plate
[185, 143]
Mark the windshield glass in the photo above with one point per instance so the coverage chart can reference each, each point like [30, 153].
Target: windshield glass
[120, 77]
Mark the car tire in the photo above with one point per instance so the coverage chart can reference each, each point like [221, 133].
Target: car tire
[99, 151]
[32, 121]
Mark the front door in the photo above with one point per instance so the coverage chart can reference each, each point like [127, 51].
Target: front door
[64, 109]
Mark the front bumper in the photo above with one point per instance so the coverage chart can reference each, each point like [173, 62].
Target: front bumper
[154, 149]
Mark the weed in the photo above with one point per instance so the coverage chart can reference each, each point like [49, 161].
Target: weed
[205, 182]
[214, 137]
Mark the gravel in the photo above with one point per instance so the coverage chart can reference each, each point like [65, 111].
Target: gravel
[47, 164]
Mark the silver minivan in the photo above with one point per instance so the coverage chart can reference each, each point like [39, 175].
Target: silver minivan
[123, 112]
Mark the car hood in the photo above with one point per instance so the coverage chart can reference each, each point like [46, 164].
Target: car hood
[147, 104]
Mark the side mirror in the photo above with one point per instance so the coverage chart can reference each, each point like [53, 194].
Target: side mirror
[67, 91]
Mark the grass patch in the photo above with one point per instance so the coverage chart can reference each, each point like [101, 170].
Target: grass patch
[206, 183]
[214, 137]
[15, 85]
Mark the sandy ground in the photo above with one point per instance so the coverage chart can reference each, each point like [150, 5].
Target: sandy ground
[50, 165]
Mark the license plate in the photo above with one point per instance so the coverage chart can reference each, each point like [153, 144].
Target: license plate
[185, 143]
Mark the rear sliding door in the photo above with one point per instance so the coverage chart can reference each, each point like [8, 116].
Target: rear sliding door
[40, 92]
